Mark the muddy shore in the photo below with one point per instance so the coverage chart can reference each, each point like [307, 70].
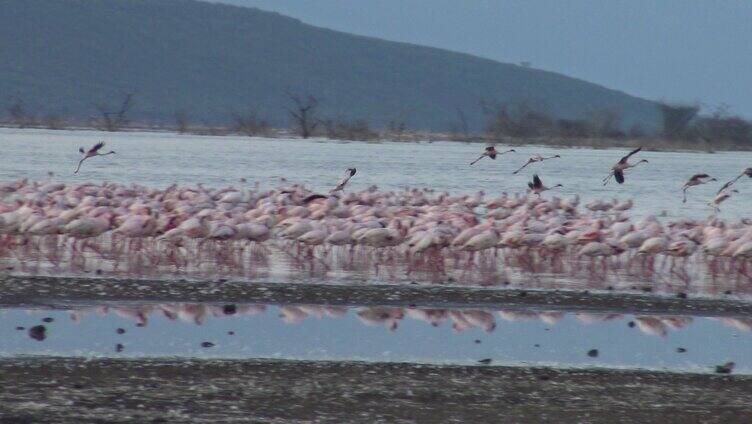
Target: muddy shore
[61, 292]
[68, 390]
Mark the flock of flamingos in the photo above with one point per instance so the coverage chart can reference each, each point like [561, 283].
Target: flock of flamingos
[179, 224]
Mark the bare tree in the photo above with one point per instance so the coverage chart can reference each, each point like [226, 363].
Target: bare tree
[606, 123]
[522, 121]
[181, 121]
[251, 125]
[54, 122]
[303, 113]
[499, 122]
[397, 129]
[115, 118]
[721, 125]
[676, 119]
[460, 130]
[574, 128]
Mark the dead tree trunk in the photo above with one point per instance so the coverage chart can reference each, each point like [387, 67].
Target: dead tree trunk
[303, 113]
[115, 119]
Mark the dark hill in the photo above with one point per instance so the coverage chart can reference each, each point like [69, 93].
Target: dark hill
[211, 60]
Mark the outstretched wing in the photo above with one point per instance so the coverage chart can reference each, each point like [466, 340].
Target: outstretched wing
[625, 158]
[529, 161]
[537, 183]
[619, 176]
[313, 197]
[343, 182]
[96, 147]
[725, 186]
[479, 158]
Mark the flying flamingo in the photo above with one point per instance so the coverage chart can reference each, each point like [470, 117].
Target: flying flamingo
[91, 153]
[617, 171]
[720, 198]
[534, 159]
[747, 172]
[491, 153]
[537, 186]
[343, 182]
[696, 180]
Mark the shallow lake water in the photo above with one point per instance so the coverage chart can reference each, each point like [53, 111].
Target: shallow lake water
[379, 333]
[160, 159]
[315, 332]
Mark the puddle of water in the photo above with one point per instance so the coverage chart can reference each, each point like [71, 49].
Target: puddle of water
[381, 334]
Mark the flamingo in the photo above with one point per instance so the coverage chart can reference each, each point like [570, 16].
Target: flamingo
[343, 182]
[617, 171]
[596, 248]
[482, 241]
[696, 180]
[534, 159]
[537, 186]
[652, 246]
[747, 172]
[721, 197]
[491, 153]
[94, 151]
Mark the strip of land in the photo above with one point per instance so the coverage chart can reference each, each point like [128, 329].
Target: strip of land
[68, 390]
[64, 292]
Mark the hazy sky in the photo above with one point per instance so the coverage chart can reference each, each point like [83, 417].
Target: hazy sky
[677, 50]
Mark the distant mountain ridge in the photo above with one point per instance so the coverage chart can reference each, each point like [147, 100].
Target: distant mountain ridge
[214, 60]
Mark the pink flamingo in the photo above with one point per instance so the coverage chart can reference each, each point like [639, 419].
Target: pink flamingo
[696, 180]
[91, 153]
[721, 197]
[491, 153]
[534, 159]
[537, 186]
[617, 171]
[747, 172]
[343, 182]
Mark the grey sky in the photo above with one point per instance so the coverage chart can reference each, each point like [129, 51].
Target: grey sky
[677, 50]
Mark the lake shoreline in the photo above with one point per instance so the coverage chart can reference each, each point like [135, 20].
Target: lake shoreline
[64, 292]
[53, 389]
[648, 144]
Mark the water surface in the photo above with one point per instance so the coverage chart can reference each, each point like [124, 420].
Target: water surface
[160, 159]
[458, 336]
